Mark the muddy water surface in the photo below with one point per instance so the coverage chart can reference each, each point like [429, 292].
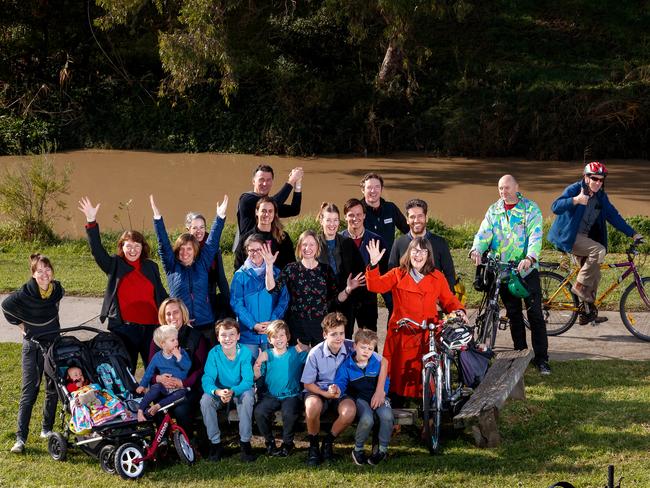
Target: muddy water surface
[457, 189]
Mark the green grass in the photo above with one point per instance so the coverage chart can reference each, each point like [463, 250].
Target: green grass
[587, 415]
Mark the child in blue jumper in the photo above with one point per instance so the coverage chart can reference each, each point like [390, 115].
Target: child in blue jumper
[281, 368]
[357, 378]
[172, 360]
[228, 378]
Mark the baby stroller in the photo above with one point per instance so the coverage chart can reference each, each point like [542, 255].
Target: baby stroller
[111, 433]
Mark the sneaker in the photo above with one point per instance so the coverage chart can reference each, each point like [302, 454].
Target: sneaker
[313, 456]
[359, 457]
[246, 454]
[271, 448]
[544, 368]
[285, 449]
[45, 434]
[18, 447]
[327, 451]
[216, 452]
[377, 458]
[592, 316]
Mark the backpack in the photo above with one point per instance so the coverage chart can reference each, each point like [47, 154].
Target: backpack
[474, 365]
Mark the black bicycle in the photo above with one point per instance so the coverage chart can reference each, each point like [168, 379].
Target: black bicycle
[488, 320]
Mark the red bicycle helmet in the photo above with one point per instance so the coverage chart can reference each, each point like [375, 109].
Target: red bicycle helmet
[595, 168]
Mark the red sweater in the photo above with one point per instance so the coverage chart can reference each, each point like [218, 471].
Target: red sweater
[135, 294]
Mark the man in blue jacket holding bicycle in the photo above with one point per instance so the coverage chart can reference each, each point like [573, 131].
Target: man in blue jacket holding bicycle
[580, 228]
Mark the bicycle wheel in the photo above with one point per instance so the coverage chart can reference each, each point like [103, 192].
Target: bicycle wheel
[432, 407]
[488, 326]
[635, 312]
[559, 304]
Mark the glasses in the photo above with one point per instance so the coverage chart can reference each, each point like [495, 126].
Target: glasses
[252, 252]
[599, 180]
[416, 251]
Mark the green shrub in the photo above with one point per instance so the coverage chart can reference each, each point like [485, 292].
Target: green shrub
[30, 198]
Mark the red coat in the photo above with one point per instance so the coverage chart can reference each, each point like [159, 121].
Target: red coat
[418, 301]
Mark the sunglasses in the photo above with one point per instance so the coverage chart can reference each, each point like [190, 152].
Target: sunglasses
[593, 178]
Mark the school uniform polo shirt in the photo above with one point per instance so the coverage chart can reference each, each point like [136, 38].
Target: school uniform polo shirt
[322, 364]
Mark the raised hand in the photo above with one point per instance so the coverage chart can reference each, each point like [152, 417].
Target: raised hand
[295, 175]
[156, 212]
[582, 199]
[222, 207]
[374, 252]
[356, 282]
[267, 254]
[88, 210]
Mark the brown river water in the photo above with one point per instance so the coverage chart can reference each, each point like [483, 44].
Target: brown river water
[457, 189]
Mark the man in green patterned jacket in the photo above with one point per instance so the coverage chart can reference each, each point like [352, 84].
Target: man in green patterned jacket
[512, 227]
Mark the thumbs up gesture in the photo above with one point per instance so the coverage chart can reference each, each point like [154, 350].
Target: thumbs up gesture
[581, 199]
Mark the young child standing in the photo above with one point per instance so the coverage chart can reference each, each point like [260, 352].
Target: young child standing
[172, 360]
[358, 379]
[321, 394]
[281, 368]
[227, 379]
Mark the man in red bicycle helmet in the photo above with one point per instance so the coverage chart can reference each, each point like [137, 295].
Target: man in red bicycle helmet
[580, 228]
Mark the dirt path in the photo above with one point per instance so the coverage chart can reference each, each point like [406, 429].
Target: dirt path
[457, 189]
[610, 340]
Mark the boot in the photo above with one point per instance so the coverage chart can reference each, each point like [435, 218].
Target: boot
[246, 454]
[216, 452]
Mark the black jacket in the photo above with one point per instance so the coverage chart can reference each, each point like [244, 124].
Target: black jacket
[248, 201]
[116, 268]
[384, 220]
[38, 315]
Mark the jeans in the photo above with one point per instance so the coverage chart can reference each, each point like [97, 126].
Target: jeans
[291, 408]
[366, 416]
[210, 405]
[161, 395]
[534, 314]
[32, 359]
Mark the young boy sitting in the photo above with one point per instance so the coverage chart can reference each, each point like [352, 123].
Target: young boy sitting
[228, 377]
[172, 360]
[358, 378]
[281, 368]
[321, 394]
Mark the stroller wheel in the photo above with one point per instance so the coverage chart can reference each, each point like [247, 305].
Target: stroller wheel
[183, 447]
[107, 458]
[129, 462]
[57, 446]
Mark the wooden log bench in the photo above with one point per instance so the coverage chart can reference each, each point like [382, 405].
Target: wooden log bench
[504, 379]
[403, 416]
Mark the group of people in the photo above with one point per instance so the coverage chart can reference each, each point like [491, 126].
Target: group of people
[283, 326]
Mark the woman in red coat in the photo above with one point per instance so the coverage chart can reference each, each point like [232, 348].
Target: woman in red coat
[417, 289]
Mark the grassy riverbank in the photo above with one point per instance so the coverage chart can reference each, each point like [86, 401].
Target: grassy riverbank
[545, 440]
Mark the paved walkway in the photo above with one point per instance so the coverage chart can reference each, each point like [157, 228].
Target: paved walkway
[610, 340]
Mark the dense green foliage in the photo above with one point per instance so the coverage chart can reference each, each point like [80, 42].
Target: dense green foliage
[540, 79]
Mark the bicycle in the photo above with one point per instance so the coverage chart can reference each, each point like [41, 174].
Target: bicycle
[442, 391]
[561, 306]
[488, 319]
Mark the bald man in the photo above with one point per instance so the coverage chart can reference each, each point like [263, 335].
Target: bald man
[512, 228]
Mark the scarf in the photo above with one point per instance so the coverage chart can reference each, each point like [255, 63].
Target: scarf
[259, 270]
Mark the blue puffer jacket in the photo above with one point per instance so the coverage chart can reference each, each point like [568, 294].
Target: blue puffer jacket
[565, 227]
[252, 303]
[190, 283]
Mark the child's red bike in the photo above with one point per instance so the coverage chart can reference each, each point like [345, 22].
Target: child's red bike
[132, 457]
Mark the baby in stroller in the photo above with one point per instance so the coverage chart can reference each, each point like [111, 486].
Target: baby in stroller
[171, 360]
